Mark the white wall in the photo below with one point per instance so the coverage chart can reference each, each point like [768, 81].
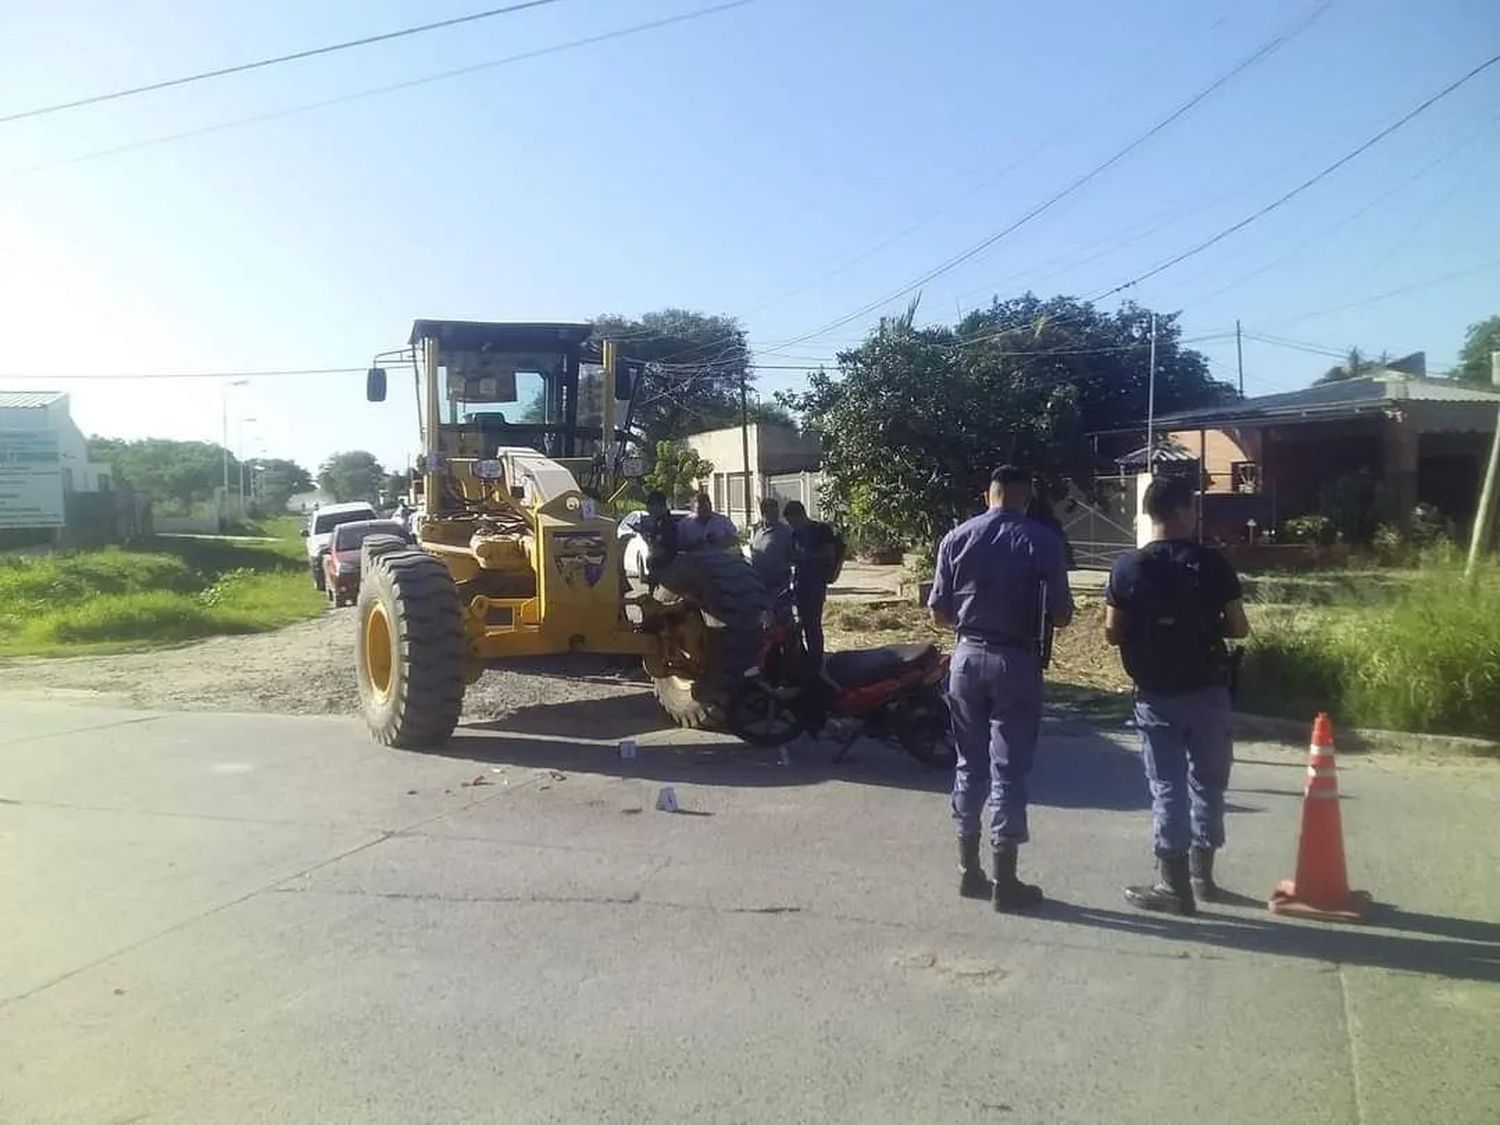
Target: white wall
[773, 449]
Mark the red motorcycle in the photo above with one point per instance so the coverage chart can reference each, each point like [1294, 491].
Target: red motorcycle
[895, 694]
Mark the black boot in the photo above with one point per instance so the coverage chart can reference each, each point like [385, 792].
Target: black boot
[972, 881]
[1010, 892]
[1201, 865]
[1172, 893]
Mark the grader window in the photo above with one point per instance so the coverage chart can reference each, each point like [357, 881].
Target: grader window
[520, 386]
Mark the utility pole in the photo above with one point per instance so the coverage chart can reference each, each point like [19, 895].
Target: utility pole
[1479, 538]
[224, 423]
[1239, 355]
[745, 442]
[241, 455]
[1151, 405]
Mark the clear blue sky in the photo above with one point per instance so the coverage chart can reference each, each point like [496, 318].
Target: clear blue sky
[729, 164]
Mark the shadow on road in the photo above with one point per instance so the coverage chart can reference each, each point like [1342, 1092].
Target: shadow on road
[612, 717]
[1078, 769]
[1460, 948]
[1075, 767]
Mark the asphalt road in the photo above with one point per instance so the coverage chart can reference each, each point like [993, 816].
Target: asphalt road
[259, 919]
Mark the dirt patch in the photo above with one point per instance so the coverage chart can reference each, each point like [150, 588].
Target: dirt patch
[305, 669]
[1080, 654]
[308, 669]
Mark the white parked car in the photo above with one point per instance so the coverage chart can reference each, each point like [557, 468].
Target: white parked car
[319, 531]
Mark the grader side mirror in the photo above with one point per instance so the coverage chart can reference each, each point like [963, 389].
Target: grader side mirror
[375, 384]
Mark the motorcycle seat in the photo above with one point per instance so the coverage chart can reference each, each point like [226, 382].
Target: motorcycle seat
[866, 666]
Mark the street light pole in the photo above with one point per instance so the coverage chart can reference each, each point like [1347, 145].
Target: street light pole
[240, 454]
[224, 423]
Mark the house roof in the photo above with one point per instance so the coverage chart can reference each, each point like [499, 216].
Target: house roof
[1167, 450]
[28, 400]
[1344, 398]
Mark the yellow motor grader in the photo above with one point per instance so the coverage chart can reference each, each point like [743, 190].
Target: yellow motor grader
[513, 553]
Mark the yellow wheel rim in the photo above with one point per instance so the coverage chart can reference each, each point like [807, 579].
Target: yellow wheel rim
[378, 650]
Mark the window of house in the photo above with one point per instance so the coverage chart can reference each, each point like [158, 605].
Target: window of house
[1244, 476]
[735, 494]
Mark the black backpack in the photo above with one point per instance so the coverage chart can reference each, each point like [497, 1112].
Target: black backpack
[1174, 640]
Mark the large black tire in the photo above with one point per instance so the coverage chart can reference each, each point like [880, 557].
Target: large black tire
[410, 650]
[725, 591]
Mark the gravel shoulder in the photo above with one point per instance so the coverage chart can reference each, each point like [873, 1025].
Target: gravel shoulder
[304, 669]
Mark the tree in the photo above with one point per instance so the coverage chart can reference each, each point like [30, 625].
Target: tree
[698, 362]
[180, 473]
[1355, 365]
[397, 485]
[1480, 340]
[278, 480]
[676, 472]
[918, 417]
[354, 475]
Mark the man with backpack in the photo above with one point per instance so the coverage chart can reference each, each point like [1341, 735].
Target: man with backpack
[1170, 607]
[817, 558]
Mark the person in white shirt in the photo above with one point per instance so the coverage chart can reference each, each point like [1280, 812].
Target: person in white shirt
[705, 527]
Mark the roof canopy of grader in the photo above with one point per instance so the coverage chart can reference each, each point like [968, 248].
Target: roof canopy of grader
[479, 336]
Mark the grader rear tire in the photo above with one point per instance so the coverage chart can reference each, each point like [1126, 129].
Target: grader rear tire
[410, 650]
[720, 585]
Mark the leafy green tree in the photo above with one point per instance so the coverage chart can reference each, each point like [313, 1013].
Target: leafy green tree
[1480, 340]
[917, 417]
[180, 473]
[354, 475]
[698, 363]
[676, 472]
[278, 480]
[1355, 365]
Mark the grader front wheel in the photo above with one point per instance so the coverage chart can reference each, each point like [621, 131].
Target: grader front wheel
[722, 586]
[410, 650]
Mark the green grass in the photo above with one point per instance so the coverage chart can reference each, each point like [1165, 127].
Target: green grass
[1426, 659]
[167, 591]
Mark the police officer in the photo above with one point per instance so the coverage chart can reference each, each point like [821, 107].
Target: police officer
[1170, 606]
[993, 574]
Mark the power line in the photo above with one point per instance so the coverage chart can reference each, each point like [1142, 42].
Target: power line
[271, 115]
[123, 376]
[980, 179]
[240, 68]
[1305, 184]
[1345, 220]
[1483, 267]
[1265, 50]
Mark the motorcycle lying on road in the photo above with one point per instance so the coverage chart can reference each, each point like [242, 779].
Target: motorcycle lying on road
[895, 694]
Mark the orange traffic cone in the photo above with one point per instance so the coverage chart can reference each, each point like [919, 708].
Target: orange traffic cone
[1321, 887]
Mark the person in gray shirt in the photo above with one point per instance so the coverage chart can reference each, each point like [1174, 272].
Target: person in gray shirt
[771, 547]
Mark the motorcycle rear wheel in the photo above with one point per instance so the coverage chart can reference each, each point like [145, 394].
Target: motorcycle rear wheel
[925, 731]
[760, 716]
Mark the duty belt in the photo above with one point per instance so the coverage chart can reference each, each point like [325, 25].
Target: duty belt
[994, 640]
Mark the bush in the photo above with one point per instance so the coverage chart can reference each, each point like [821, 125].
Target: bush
[1315, 528]
[1428, 661]
[181, 589]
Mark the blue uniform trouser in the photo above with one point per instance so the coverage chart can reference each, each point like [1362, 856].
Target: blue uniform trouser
[995, 695]
[811, 594]
[1188, 749]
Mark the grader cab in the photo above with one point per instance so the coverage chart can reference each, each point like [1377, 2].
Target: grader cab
[515, 551]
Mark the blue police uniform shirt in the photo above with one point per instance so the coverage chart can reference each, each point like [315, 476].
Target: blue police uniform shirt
[990, 573]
